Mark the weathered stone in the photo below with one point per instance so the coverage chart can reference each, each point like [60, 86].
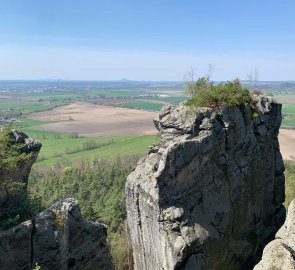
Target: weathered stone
[211, 196]
[16, 247]
[280, 253]
[57, 239]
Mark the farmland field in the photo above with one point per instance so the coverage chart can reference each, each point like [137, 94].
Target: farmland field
[96, 120]
[64, 148]
[143, 105]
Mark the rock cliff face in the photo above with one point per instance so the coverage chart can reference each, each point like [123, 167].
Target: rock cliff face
[57, 239]
[22, 172]
[280, 253]
[210, 196]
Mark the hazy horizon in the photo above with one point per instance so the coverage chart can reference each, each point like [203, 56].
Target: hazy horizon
[150, 41]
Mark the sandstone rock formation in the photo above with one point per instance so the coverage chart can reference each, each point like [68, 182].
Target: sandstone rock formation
[280, 253]
[210, 195]
[57, 239]
[28, 147]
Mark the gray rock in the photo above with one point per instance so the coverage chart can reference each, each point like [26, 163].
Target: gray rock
[280, 253]
[210, 197]
[57, 239]
[16, 247]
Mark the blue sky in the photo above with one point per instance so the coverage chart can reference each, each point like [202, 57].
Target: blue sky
[146, 40]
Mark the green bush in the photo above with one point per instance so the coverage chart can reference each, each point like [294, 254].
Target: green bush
[205, 94]
[11, 154]
[21, 206]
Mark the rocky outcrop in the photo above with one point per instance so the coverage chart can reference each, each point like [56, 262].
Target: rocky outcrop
[27, 147]
[279, 254]
[210, 195]
[56, 239]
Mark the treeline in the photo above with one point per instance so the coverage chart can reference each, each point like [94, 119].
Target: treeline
[99, 187]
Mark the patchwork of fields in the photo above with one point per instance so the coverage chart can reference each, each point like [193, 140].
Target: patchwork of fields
[106, 123]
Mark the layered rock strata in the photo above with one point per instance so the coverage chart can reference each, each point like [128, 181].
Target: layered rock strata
[210, 195]
[56, 239]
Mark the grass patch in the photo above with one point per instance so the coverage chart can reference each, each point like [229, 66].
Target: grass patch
[288, 122]
[288, 108]
[28, 106]
[174, 100]
[143, 105]
[115, 93]
[54, 95]
[60, 147]
[290, 181]
[27, 122]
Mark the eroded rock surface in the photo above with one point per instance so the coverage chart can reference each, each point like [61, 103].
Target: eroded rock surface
[57, 239]
[210, 196]
[280, 253]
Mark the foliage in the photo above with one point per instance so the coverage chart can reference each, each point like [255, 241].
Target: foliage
[20, 207]
[37, 267]
[99, 187]
[10, 152]
[204, 93]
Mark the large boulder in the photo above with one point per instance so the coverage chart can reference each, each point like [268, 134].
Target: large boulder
[210, 195]
[56, 239]
[280, 253]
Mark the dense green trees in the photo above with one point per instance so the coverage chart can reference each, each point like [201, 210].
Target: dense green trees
[99, 188]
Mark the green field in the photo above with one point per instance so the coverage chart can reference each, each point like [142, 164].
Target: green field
[143, 105]
[115, 93]
[288, 108]
[174, 100]
[58, 147]
[288, 122]
[27, 122]
[54, 95]
[28, 106]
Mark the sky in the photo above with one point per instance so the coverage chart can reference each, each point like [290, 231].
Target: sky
[146, 39]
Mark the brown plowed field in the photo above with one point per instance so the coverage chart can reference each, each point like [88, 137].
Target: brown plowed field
[287, 143]
[97, 120]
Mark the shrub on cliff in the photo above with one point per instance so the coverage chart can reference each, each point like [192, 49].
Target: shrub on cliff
[10, 152]
[18, 206]
[205, 94]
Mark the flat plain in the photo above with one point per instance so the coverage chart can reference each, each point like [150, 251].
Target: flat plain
[96, 120]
